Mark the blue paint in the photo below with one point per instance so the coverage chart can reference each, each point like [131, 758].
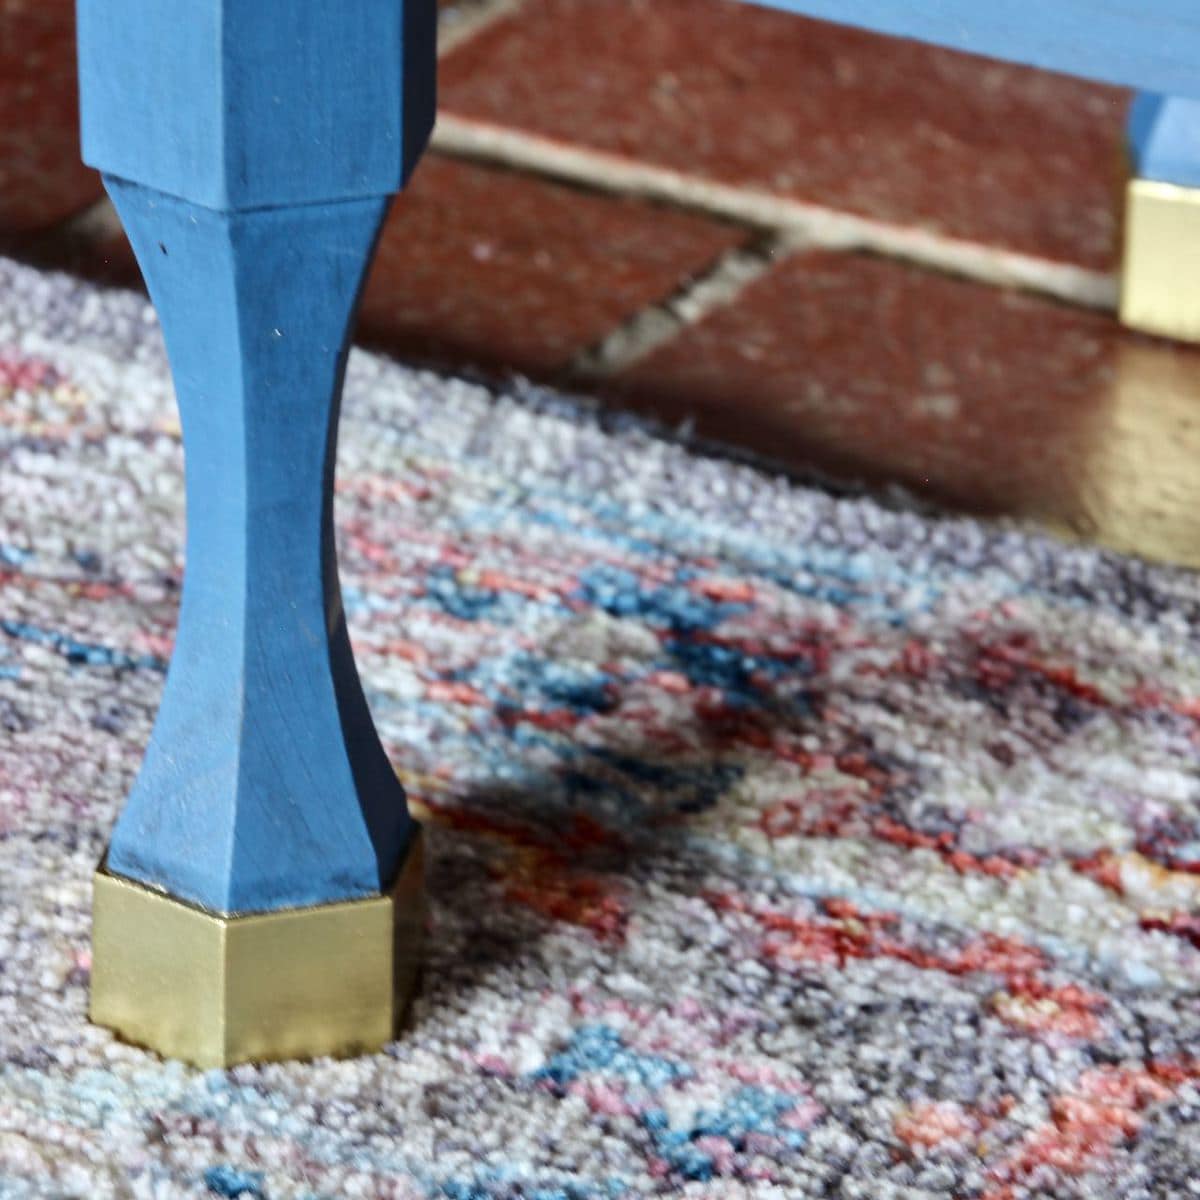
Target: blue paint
[237, 105]
[251, 150]
[264, 784]
[234, 1183]
[1164, 139]
[1149, 44]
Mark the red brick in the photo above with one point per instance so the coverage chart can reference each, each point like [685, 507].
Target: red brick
[104, 258]
[989, 401]
[41, 178]
[485, 267]
[997, 153]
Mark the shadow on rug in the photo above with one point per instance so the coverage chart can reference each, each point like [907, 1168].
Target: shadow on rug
[783, 846]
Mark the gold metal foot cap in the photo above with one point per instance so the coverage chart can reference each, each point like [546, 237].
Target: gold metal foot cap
[218, 990]
[1160, 279]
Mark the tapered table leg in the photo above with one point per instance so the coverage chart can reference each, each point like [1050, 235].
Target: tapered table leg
[262, 892]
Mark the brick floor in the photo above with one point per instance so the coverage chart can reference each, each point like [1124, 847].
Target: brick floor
[504, 271]
[41, 178]
[482, 268]
[866, 124]
[98, 251]
[984, 400]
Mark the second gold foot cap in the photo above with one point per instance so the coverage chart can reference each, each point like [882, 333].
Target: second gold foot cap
[1160, 281]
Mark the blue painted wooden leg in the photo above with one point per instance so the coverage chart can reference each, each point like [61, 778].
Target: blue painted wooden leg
[264, 785]
[1159, 293]
[262, 891]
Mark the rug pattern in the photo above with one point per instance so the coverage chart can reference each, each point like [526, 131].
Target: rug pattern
[782, 845]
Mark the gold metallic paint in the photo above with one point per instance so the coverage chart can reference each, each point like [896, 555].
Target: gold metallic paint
[215, 990]
[1160, 284]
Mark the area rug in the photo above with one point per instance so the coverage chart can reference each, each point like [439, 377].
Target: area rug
[782, 845]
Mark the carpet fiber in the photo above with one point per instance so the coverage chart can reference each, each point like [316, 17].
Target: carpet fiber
[782, 845]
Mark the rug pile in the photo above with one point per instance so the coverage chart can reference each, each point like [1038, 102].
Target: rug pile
[782, 845]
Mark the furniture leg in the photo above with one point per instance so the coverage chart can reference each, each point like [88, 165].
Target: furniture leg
[261, 897]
